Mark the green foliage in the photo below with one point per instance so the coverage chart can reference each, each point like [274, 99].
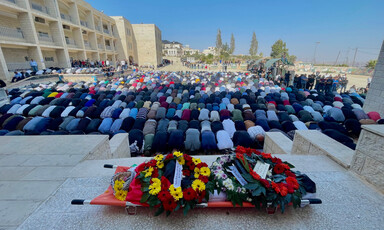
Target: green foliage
[371, 64]
[232, 46]
[254, 45]
[219, 42]
[279, 48]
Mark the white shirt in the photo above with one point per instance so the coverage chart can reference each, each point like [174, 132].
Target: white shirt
[229, 127]
[255, 130]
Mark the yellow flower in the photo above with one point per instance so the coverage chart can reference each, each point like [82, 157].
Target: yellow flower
[205, 171]
[154, 189]
[197, 172]
[177, 195]
[173, 190]
[196, 161]
[149, 171]
[118, 185]
[121, 195]
[156, 181]
[181, 160]
[177, 154]
[198, 185]
[159, 157]
[160, 164]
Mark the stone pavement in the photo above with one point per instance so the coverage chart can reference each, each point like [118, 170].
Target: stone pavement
[348, 203]
[33, 168]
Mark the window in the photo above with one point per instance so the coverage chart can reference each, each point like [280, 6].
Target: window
[105, 27]
[107, 43]
[129, 32]
[66, 27]
[40, 20]
[43, 34]
[49, 59]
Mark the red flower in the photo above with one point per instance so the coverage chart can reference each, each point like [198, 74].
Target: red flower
[169, 204]
[292, 181]
[265, 183]
[266, 155]
[280, 188]
[279, 168]
[189, 194]
[240, 156]
[187, 157]
[141, 167]
[240, 149]
[165, 184]
[164, 196]
[290, 188]
[155, 173]
[201, 196]
[276, 160]
[190, 165]
[254, 174]
[289, 173]
[186, 172]
[202, 164]
[203, 179]
[169, 157]
[152, 163]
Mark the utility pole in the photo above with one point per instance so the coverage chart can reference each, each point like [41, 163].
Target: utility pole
[338, 55]
[354, 57]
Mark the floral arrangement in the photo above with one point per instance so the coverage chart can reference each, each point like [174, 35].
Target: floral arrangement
[156, 178]
[279, 187]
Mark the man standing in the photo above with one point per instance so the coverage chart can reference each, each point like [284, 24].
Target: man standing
[34, 66]
[287, 78]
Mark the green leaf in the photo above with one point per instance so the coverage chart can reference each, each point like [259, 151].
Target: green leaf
[145, 197]
[177, 207]
[251, 186]
[248, 177]
[167, 213]
[144, 188]
[159, 211]
[246, 165]
[187, 207]
[289, 164]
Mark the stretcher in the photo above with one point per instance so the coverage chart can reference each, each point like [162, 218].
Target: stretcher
[108, 199]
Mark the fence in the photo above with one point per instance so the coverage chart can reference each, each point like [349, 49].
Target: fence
[11, 32]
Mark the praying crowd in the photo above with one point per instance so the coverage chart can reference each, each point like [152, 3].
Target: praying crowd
[190, 111]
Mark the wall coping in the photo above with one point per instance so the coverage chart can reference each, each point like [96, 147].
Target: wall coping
[376, 129]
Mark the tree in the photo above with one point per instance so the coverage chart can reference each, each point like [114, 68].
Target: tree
[371, 64]
[279, 49]
[219, 42]
[232, 47]
[254, 45]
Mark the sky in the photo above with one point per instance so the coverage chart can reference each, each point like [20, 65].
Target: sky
[340, 26]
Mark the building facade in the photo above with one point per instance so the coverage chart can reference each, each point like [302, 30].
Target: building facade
[210, 50]
[54, 32]
[189, 51]
[172, 49]
[149, 44]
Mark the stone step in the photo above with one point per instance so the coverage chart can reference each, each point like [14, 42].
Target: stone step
[277, 143]
[313, 142]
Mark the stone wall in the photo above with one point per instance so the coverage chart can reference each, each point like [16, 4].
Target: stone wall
[374, 101]
[368, 161]
[149, 45]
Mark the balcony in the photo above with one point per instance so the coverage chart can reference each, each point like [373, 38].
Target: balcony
[87, 45]
[108, 47]
[106, 31]
[67, 17]
[45, 39]
[11, 33]
[41, 9]
[98, 28]
[84, 23]
[71, 42]
[100, 46]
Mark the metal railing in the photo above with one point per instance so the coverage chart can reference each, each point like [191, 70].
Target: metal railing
[106, 31]
[87, 45]
[45, 38]
[11, 32]
[67, 17]
[70, 42]
[40, 8]
[108, 47]
[11, 1]
[84, 23]
[100, 46]
[98, 28]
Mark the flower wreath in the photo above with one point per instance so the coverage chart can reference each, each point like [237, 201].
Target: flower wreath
[156, 175]
[280, 187]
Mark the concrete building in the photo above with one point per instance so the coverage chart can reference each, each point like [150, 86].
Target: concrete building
[374, 100]
[149, 44]
[54, 32]
[172, 49]
[126, 47]
[210, 50]
[189, 51]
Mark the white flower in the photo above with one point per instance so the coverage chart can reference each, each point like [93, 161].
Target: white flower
[249, 199]
[215, 164]
[230, 187]
[243, 190]
[224, 176]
